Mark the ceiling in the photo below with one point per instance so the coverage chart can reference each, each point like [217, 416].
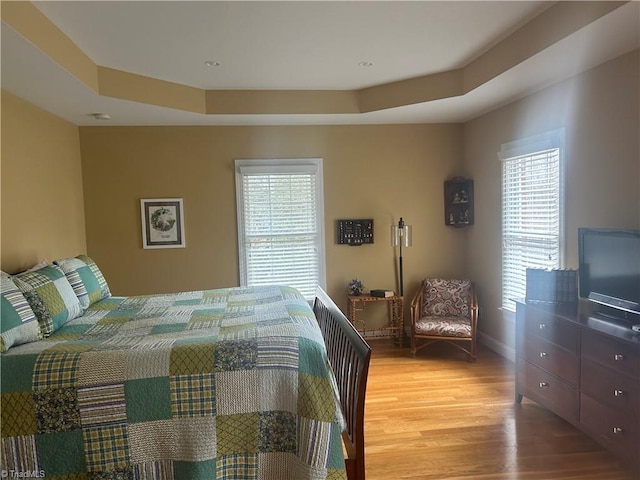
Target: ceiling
[290, 47]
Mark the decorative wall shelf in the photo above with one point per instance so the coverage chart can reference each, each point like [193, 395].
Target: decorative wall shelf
[458, 202]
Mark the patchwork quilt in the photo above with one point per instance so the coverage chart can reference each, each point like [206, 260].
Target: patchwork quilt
[219, 384]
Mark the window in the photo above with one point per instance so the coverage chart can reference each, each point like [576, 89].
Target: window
[532, 223]
[281, 223]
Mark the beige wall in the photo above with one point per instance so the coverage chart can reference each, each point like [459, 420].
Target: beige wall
[380, 172]
[599, 110]
[42, 205]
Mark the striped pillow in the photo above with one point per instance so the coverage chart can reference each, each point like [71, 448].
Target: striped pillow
[18, 323]
[86, 279]
[50, 295]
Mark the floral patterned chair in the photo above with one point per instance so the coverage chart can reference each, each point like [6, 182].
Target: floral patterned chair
[445, 310]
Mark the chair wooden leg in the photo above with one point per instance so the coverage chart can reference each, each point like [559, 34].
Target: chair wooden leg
[474, 355]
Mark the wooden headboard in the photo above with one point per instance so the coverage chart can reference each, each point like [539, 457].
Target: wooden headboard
[349, 355]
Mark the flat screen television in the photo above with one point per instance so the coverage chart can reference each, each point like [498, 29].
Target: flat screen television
[609, 270]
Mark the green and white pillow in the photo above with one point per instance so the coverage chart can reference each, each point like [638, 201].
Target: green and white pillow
[50, 295]
[86, 279]
[18, 323]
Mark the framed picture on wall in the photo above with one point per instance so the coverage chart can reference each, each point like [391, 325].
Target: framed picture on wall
[162, 223]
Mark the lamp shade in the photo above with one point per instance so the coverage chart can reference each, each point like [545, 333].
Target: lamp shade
[401, 234]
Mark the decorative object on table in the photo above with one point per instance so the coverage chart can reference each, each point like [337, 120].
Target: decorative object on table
[355, 232]
[551, 286]
[401, 237]
[382, 293]
[355, 287]
[162, 223]
[458, 202]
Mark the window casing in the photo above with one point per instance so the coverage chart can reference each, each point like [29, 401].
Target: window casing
[280, 211]
[532, 210]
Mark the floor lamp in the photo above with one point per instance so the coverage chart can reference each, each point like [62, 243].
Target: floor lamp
[401, 237]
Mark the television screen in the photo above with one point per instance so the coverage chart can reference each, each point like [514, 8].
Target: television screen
[609, 267]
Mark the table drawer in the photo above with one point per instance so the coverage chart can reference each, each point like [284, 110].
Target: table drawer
[619, 356]
[552, 328]
[609, 387]
[548, 390]
[614, 428]
[553, 359]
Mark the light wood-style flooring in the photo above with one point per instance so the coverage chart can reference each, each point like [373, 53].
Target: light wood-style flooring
[437, 416]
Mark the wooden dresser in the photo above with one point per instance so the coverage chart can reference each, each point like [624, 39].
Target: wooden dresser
[585, 369]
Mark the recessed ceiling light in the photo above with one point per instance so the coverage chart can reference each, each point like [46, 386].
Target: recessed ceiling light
[212, 63]
[101, 116]
[365, 64]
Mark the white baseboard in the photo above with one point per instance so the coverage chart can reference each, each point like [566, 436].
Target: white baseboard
[500, 348]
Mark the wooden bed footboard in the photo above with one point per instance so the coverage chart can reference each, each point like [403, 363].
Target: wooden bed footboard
[349, 355]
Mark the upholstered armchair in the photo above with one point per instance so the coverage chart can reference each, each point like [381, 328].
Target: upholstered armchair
[445, 310]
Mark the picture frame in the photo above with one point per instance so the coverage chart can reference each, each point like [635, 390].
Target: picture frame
[162, 222]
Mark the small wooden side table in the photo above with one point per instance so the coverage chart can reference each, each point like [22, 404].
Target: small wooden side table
[395, 328]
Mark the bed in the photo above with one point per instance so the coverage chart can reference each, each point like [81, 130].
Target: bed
[218, 384]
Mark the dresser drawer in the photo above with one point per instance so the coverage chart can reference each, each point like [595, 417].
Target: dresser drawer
[548, 390]
[615, 429]
[552, 358]
[619, 356]
[545, 325]
[610, 388]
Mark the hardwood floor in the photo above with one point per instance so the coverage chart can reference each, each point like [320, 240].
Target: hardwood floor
[437, 416]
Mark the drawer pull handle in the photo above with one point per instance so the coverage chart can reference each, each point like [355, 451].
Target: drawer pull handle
[543, 354]
[617, 430]
[618, 357]
[618, 393]
[543, 385]
[542, 326]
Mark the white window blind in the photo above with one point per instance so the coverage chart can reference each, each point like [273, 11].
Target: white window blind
[532, 223]
[280, 227]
